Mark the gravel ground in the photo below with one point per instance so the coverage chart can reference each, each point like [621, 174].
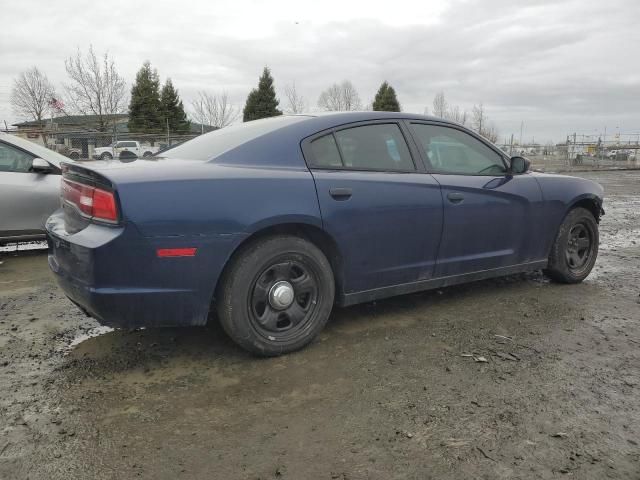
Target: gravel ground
[511, 378]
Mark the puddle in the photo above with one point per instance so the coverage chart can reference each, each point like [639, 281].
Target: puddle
[94, 332]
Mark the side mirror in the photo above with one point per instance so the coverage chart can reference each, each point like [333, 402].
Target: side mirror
[38, 165]
[519, 165]
[128, 156]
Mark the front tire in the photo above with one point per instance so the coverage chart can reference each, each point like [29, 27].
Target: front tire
[575, 249]
[276, 295]
[106, 156]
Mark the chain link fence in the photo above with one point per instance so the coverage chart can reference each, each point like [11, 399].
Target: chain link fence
[87, 145]
[582, 152]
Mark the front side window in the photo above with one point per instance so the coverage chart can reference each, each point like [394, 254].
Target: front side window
[450, 150]
[14, 160]
[374, 147]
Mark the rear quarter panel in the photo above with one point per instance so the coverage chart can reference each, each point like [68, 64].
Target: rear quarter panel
[214, 213]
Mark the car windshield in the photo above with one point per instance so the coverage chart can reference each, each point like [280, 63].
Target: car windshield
[35, 149]
[213, 144]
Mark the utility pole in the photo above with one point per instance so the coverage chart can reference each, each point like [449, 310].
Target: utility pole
[511, 146]
[521, 127]
[168, 139]
[604, 143]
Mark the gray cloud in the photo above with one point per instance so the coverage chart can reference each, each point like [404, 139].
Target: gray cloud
[559, 66]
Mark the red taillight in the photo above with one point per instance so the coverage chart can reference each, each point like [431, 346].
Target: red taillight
[104, 205]
[92, 202]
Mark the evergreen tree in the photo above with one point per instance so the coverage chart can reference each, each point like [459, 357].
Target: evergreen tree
[262, 102]
[145, 112]
[386, 99]
[172, 109]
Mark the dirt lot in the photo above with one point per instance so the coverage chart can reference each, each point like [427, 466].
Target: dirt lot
[388, 391]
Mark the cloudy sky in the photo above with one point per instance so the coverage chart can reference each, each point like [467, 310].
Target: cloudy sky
[555, 66]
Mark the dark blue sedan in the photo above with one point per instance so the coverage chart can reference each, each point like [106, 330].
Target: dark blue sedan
[272, 222]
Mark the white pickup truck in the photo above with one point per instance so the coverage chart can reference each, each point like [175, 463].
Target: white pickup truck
[124, 149]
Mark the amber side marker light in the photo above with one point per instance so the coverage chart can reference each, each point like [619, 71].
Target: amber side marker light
[176, 252]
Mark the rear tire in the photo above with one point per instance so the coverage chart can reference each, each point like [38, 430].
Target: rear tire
[276, 295]
[106, 156]
[575, 249]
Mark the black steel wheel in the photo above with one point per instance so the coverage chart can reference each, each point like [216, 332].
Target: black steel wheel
[575, 249]
[276, 295]
[579, 246]
[284, 298]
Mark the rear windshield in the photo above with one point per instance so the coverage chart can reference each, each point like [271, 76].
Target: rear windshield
[213, 144]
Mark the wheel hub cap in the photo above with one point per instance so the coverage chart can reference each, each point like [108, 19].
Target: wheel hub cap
[281, 295]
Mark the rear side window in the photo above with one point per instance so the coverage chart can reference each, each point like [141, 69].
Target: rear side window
[325, 152]
[375, 147]
[378, 147]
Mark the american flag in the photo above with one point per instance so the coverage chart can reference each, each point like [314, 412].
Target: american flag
[56, 104]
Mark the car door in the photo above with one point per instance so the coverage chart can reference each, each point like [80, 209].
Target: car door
[490, 216]
[118, 148]
[26, 198]
[376, 201]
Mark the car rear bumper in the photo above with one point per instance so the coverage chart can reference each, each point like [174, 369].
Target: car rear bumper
[115, 276]
[131, 307]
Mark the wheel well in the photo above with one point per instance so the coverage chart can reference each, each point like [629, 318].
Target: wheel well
[590, 204]
[315, 235]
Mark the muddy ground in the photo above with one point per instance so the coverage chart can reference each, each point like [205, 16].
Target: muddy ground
[387, 391]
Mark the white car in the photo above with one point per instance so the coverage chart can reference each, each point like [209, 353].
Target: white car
[29, 188]
[124, 149]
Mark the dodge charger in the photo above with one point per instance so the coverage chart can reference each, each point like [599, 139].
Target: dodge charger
[269, 224]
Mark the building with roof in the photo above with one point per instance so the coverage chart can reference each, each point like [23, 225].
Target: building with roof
[80, 134]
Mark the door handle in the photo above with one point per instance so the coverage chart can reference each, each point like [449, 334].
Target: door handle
[455, 197]
[340, 193]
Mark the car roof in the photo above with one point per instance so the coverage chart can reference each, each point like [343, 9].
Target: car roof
[34, 148]
[338, 118]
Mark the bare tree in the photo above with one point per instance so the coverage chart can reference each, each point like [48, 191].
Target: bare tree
[480, 123]
[456, 115]
[296, 102]
[440, 106]
[214, 110]
[95, 86]
[479, 119]
[340, 97]
[490, 132]
[32, 94]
